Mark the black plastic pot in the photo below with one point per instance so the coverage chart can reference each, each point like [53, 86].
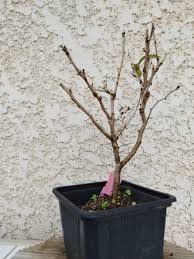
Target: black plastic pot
[136, 232]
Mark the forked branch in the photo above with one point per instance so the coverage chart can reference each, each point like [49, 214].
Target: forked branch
[144, 79]
[142, 129]
[83, 75]
[79, 105]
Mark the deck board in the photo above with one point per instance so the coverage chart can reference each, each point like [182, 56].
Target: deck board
[54, 249]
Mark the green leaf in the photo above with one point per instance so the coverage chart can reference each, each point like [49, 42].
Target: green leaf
[94, 197]
[105, 204]
[150, 56]
[128, 192]
[136, 69]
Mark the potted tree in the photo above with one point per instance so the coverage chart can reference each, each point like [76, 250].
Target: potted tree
[124, 221]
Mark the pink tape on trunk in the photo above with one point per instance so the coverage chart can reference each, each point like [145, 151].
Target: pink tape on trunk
[107, 189]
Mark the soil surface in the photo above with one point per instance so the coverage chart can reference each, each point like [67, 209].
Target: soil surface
[104, 202]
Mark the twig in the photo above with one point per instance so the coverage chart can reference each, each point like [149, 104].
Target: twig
[149, 82]
[155, 44]
[145, 94]
[121, 65]
[152, 32]
[103, 91]
[146, 60]
[73, 98]
[136, 145]
[162, 99]
[142, 129]
[111, 121]
[82, 74]
[105, 82]
[120, 132]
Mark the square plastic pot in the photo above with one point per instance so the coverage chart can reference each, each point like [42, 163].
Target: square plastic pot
[135, 232]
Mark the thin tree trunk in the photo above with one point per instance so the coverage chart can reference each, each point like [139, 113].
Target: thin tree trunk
[117, 170]
[117, 179]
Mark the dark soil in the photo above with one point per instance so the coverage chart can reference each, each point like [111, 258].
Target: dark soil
[104, 202]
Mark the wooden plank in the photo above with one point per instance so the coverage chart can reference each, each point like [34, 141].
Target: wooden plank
[172, 251]
[54, 249]
[49, 246]
[16, 242]
[51, 249]
[33, 255]
[176, 249]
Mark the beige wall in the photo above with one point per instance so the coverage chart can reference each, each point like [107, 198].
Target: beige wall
[45, 141]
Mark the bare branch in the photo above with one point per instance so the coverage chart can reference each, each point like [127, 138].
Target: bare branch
[120, 132]
[112, 101]
[145, 94]
[136, 145]
[105, 83]
[81, 107]
[162, 99]
[121, 65]
[82, 74]
[154, 69]
[151, 32]
[114, 142]
[112, 106]
[155, 44]
[142, 129]
[149, 83]
[148, 39]
[146, 61]
[103, 90]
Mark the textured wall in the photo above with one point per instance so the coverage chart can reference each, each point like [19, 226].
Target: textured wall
[46, 141]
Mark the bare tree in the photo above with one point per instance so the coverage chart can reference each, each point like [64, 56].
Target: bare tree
[145, 71]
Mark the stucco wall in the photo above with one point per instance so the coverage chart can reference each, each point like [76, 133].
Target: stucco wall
[46, 141]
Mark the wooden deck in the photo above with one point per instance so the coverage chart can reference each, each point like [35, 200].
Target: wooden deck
[54, 249]
[8, 248]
